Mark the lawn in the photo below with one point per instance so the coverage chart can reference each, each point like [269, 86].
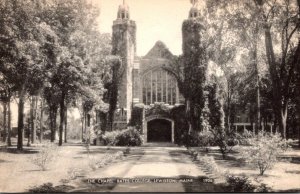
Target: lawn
[284, 176]
[19, 174]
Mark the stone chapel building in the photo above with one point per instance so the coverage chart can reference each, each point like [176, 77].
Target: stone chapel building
[145, 80]
[147, 84]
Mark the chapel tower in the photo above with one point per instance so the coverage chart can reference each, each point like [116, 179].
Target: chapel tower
[124, 45]
[193, 27]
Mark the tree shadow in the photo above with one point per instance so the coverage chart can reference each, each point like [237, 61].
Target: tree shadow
[293, 171]
[16, 151]
[4, 161]
[295, 159]
[289, 191]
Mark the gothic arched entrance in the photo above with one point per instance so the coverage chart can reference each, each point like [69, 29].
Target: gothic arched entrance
[159, 129]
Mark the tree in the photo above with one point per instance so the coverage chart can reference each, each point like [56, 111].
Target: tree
[281, 17]
[22, 62]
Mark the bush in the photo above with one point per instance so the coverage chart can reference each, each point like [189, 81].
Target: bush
[127, 137]
[225, 139]
[239, 184]
[49, 188]
[205, 138]
[109, 138]
[46, 155]
[191, 140]
[264, 150]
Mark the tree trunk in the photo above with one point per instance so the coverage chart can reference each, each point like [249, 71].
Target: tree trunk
[9, 125]
[41, 120]
[228, 106]
[29, 131]
[103, 120]
[66, 123]
[85, 124]
[53, 125]
[20, 120]
[51, 118]
[188, 115]
[82, 128]
[62, 118]
[283, 120]
[4, 122]
[32, 119]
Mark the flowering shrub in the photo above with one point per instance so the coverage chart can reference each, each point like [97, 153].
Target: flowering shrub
[264, 150]
[47, 154]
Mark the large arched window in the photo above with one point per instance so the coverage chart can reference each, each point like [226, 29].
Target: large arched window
[159, 86]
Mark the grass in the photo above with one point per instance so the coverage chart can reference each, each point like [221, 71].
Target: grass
[16, 166]
[284, 176]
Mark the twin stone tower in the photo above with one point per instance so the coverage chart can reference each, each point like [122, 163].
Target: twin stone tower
[132, 90]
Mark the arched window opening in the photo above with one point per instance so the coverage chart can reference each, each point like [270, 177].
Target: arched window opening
[160, 86]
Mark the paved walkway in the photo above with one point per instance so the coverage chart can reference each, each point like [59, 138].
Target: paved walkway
[160, 162]
[149, 164]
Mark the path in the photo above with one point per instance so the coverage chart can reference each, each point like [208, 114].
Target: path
[153, 163]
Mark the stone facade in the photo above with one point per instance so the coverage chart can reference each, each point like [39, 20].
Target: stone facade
[145, 81]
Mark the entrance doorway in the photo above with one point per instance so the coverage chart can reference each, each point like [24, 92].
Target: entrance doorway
[159, 130]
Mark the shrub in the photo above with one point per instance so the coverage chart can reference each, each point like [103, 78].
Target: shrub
[47, 154]
[239, 184]
[264, 150]
[262, 188]
[205, 138]
[127, 137]
[109, 138]
[225, 139]
[191, 140]
[49, 188]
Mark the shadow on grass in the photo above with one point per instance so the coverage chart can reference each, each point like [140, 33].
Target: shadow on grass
[289, 191]
[16, 151]
[295, 159]
[4, 161]
[293, 172]
[178, 156]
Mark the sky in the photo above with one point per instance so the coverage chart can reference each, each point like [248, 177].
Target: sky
[155, 20]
